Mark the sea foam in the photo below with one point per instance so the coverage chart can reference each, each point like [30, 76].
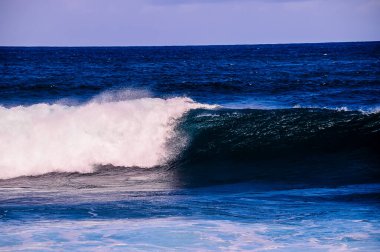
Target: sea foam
[44, 138]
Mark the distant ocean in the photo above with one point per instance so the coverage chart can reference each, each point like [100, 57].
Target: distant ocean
[193, 148]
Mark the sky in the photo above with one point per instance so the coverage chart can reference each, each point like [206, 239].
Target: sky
[185, 22]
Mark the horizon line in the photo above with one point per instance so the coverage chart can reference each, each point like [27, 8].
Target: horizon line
[188, 45]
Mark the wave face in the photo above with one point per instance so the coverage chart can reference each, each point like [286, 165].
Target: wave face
[304, 145]
[46, 138]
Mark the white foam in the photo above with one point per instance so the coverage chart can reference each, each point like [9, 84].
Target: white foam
[44, 138]
[184, 234]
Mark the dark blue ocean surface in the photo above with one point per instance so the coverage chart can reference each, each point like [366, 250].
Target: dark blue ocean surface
[322, 75]
[195, 148]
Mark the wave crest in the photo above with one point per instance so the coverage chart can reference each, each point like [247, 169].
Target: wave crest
[46, 138]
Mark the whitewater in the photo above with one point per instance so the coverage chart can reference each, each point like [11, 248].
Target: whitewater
[46, 138]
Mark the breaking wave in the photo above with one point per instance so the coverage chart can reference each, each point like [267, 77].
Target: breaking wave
[197, 142]
[123, 130]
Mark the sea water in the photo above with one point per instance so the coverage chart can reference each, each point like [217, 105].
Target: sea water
[204, 148]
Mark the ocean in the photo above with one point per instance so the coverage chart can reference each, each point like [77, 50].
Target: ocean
[190, 148]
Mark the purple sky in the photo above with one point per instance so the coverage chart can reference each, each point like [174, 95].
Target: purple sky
[184, 22]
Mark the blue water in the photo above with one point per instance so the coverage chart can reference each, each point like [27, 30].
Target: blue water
[119, 148]
[325, 75]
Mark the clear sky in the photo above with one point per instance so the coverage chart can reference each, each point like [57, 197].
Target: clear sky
[185, 22]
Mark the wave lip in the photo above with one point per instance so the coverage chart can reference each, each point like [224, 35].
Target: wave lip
[46, 138]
